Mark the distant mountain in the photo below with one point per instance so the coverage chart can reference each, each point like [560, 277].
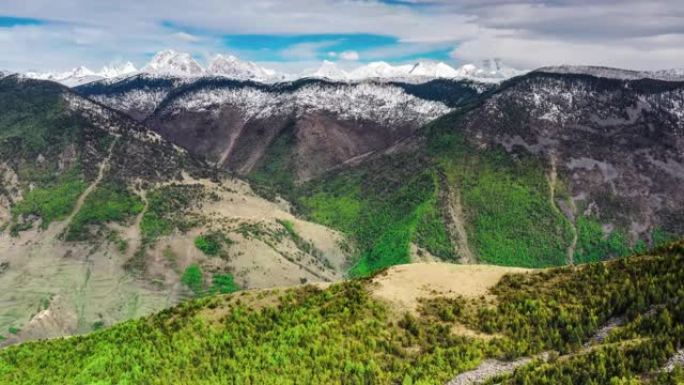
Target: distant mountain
[616, 73]
[172, 63]
[328, 70]
[491, 71]
[234, 68]
[82, 75]
[115, 71]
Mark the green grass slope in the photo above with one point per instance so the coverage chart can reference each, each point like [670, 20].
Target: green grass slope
[343, 335]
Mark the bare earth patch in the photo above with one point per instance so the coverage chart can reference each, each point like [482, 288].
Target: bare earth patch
[403, 285]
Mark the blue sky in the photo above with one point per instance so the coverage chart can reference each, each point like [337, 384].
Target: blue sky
[11, 21]
[298, 34]
[320, 46]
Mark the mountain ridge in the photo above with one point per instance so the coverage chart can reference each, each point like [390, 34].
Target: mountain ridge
[179, 64]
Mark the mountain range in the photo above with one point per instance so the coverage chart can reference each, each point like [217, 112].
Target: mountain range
[132, 193]
[172, 63]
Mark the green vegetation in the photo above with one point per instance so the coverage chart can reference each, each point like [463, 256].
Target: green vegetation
[193, 278]
[593, 245]
[274, 173]
[212, 243]
[342, 335]
[208, 244]
[166, 208]
[110, 202]
[510, 211]
[33, 121]
[51, 202]
[511, 219]
[14, 330]
[97, 325]
[223, 284]
[382, 212]
[395, 200]
[431, 231]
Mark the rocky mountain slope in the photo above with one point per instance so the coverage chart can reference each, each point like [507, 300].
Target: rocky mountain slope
[614, 148]
[233, 124]
[104, 220]
[546, 169]
[466, 325]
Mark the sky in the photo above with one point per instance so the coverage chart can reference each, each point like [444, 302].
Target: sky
[294, 35]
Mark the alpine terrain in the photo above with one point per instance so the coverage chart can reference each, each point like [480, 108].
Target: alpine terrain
[386, 224]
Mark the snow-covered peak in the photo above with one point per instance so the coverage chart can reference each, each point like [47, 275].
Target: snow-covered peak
[615, 73]
[433, 70]
[232, 67]
[81, 72]
[170, 62]
[491, 71]
[329, 70]
[115, 71]
[380, 69]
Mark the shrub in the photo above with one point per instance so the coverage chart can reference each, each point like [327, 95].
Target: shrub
[224, 284]
[193, 279]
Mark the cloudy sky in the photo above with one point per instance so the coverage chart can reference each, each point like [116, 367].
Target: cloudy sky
[296, 34]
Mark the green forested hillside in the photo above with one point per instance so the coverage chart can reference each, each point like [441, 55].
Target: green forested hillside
[510, 204]
[343, 335]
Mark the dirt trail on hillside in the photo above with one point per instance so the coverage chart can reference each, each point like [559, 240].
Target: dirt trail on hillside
[134, 233]
[102, 169]
[553, 182]
[456, 223]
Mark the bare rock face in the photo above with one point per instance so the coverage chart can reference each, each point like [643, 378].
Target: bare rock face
[618, 144]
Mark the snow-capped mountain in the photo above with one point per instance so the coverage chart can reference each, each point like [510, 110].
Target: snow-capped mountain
[172, 63]
[232, 67]
[82, 75]
[491, 71]
[232, 123]
[380, 70]
[434, 70]
[115, 71]
[328, 70]
[615, 73]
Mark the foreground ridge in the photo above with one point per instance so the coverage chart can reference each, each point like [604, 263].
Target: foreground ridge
[345, 334]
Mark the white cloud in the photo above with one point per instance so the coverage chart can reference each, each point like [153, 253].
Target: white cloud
[627, 33]
[183, 36]
[305, 51]
[349, 55]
